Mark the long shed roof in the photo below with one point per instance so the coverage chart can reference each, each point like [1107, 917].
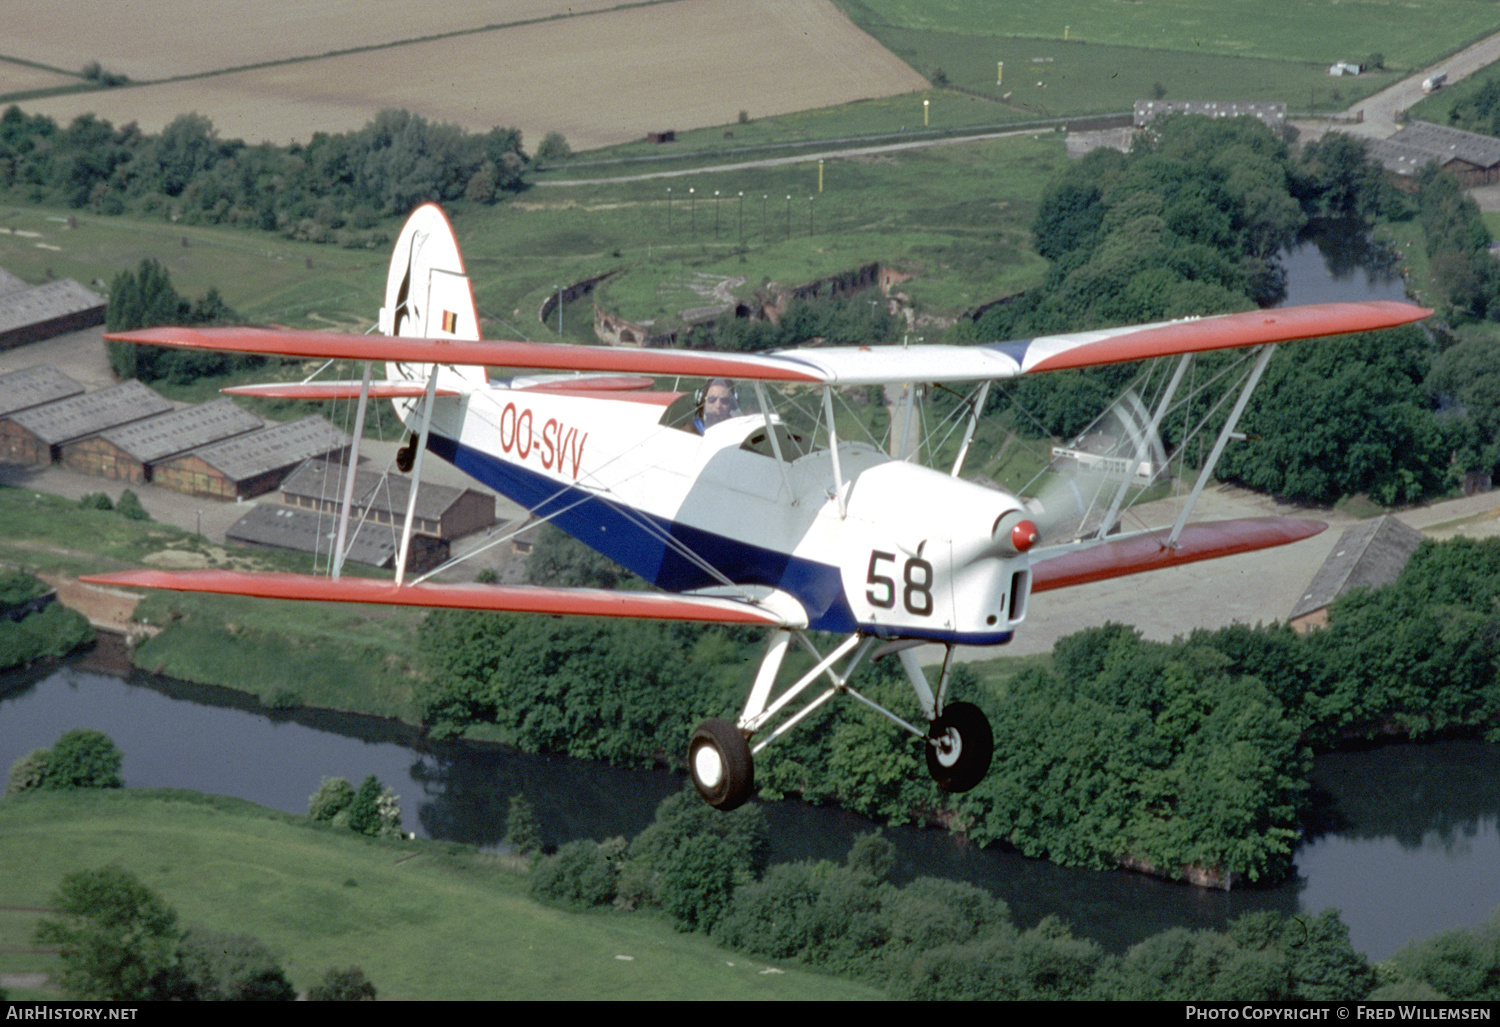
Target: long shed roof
[34, 387]
[1369, 554]
[181, 430]
[280, 445]
[92, 412]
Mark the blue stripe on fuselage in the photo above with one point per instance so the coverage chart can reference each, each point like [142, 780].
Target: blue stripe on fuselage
[638, 541]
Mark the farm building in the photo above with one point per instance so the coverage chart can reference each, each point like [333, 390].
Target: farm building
[36, 436]
[1370, 554]
[1473, 159]
[131, 451]
[34, 387]
[442, 511]
[252, 464]
[30, 313]
[1273, 115]
[309, 531]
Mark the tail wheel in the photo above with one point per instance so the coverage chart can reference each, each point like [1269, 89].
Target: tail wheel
[407, 455]
[721, 766]
[960, 746]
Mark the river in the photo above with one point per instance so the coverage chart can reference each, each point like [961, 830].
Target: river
[1406, 842]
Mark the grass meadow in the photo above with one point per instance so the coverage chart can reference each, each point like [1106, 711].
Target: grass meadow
[1410, 34]
[424, 920]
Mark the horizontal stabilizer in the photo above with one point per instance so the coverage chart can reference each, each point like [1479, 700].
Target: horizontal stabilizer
[1148, 551]
[580, 602]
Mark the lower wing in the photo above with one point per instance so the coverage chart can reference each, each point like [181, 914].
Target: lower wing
[1149, 551]
[581, 602]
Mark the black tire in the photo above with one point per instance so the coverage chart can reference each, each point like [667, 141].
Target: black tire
[406, 456]
[959, 748]
[720, 765]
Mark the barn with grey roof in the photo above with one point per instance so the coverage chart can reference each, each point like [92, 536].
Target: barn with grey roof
[314, 532]
[36, 436]
[1472, 158]
[442, 511]
[252, 464]
[130, 452]
[1368, 555]
[34, 387]
[31, 313]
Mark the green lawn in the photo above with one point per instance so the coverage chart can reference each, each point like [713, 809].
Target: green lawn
[1409, 34]
[424, 920]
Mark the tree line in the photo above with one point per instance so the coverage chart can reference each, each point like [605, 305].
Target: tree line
[710, 873]
[937, 939]
[1190, 222]
[334, 188]
[1186, 758]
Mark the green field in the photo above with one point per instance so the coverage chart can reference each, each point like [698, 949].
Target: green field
[1410, 33]
[262, 275]
[424, 920]
[957, 216]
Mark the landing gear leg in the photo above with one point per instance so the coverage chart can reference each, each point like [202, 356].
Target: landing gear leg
[960, 746]
[720, 764]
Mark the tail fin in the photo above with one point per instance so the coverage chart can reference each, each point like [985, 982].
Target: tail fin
[427, 292]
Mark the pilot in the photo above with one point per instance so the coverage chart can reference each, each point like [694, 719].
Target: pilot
[719, 403]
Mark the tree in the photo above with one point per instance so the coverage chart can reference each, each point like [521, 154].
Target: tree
[84, 758]
[216, 967]
[28, 772]
[115, 934]
[364, 811]
[333, 797]
[130, 507]
[522, 832]
[342, 985]
[553, 147]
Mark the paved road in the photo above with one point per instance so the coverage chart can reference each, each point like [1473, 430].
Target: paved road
[1251, 589]
[1381, 108]
[802, 158]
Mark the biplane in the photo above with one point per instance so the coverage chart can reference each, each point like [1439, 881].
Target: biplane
[683, 467]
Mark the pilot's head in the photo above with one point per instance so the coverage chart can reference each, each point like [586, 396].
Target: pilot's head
[719, 402]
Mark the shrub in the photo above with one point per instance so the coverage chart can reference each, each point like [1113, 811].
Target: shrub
[333, 797]
[348, 985]
[84, 758]
[579, 875]
[28, 772]
[130, 507]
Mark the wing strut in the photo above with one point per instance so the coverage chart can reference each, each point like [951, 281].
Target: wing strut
[765, 413]
[833, 450]
[429, 400]
[359, 430]
[976, 407]
[1213, 457]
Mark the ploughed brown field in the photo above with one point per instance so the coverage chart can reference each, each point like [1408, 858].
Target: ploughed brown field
[600, 76]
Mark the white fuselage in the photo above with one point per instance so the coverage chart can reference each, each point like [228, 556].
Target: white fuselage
[910, 554]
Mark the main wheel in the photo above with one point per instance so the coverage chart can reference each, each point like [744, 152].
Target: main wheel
[719, 761]
[960, 746]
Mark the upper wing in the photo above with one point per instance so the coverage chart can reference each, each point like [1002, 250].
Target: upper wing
[834, 365]
[582, 602]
